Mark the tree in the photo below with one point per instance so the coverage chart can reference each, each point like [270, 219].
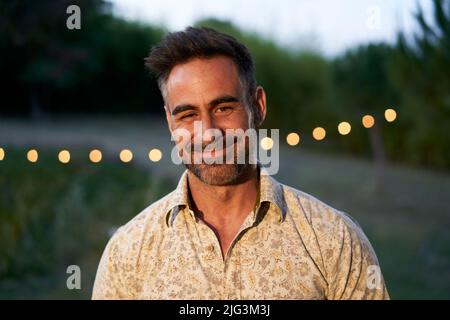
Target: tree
[47, 68]
[421, 74]
[362, 83]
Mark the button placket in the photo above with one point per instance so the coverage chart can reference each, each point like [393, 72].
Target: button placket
[212, 251]
[231, 255]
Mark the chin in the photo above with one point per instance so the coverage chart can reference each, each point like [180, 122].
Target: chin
[219, 174]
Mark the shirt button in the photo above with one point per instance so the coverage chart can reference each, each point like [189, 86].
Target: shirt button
[210, 254]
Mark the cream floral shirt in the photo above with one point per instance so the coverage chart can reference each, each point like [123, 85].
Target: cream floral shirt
[292, 246]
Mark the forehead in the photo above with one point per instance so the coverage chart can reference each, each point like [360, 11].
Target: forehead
[202, 80]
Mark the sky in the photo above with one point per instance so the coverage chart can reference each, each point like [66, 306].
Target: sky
[329, 26]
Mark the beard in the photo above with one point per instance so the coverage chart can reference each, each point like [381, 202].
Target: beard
[220, 174]
[223, 173]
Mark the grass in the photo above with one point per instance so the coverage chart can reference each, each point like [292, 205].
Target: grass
[55, 215]
[407, 222]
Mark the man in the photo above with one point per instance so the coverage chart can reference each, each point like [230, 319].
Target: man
[230, 231]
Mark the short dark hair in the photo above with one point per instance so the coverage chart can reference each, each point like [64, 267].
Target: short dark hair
[200, 42]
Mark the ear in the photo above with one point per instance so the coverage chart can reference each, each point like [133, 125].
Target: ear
[260, 105]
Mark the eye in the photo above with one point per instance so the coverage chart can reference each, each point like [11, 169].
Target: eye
[187, 116]
[224, 109]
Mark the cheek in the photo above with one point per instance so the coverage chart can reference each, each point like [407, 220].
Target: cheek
[186, 127]
[184, 142]
[240, 120]
[181, 136]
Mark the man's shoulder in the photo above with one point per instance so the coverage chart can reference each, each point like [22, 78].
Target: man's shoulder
[323, 218]
[324, 229]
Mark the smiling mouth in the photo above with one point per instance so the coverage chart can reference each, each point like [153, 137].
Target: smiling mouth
[215, 153]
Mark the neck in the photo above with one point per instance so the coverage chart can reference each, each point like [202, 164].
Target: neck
[222, 203]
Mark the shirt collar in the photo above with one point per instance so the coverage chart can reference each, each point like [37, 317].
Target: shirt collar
[270, 192]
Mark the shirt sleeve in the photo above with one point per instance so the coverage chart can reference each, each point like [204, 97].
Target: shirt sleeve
[356, 273]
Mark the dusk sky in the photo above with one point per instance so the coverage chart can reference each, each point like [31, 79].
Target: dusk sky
[330, 26]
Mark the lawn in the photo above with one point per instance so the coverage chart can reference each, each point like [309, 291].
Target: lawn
[408, 221]
[55, 215]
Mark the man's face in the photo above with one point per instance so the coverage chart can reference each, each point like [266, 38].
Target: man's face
[208, 90]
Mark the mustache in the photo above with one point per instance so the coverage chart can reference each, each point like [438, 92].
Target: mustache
[217, 144]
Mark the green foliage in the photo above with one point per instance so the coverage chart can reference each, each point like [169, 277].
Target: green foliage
[50, 68]
[365, 69]
[420, 73]
[362, 86]
[413, 78]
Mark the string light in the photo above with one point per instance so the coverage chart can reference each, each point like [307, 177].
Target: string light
[344, 128]
[266, 143]
[390, 115]
[32, 155]
[319, 133]
[64, 156]
[368, 121]
[95, 156]
[155, 155]
[293, 139]
[126, 155]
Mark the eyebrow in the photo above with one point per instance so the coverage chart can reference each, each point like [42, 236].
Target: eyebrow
[223, 99]
[213, 103]
[181, 108]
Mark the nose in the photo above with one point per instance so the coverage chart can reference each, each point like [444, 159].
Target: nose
[208, 128]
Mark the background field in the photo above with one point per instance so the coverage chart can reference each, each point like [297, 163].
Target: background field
[54, 215]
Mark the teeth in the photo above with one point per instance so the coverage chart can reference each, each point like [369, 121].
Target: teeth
[212, 153]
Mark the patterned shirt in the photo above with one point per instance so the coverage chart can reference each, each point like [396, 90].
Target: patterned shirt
[292, 246]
